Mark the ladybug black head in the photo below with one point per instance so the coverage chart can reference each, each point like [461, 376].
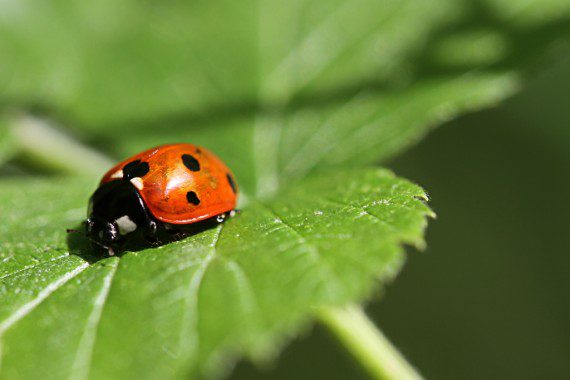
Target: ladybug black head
[101, 232]
[117, 213]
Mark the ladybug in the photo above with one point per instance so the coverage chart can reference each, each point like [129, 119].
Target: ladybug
[161, 189]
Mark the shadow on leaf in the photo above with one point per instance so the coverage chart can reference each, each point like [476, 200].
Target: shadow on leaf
[80, 245]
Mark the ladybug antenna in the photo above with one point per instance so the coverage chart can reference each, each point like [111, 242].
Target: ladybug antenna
[72, 231]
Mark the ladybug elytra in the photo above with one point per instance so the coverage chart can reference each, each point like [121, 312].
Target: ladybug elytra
[163, 188]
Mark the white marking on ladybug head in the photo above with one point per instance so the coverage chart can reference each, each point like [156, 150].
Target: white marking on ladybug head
[138, 182]
[126, 225]
[117, 174]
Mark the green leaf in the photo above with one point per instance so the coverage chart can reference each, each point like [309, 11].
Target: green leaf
[351, 81]
[270, 150]
[286, 92]
[186, 307]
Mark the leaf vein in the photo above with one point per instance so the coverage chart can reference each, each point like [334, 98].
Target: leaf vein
[81, 363]
[246, 290]
[33, 266]
[45, 293]
[191, 300]
[312, 249]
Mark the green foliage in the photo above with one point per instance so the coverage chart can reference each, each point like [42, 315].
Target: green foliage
[167, 311]
[295, 96]
[325, 77]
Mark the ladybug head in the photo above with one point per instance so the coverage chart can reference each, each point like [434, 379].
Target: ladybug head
[102, 232]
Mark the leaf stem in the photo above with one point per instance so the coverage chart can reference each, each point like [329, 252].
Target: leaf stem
[43, 143]
[371, 349]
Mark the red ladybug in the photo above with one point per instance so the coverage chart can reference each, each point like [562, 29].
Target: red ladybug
[163, 188]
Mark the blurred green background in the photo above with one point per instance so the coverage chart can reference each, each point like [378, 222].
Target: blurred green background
[490, 297]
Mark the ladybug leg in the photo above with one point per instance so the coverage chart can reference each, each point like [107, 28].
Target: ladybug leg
[152, 240]
[171, 229]
[151, 233]
[226, 215]
[175, 233]
[179, 235]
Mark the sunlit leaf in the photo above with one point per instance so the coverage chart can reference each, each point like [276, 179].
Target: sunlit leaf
[183, 308]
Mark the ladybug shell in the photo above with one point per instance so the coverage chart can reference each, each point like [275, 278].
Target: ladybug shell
[179, 183]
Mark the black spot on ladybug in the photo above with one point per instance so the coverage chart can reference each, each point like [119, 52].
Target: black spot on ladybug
[231, 182]
[135, 169]
[192, 198]
[190, 162]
